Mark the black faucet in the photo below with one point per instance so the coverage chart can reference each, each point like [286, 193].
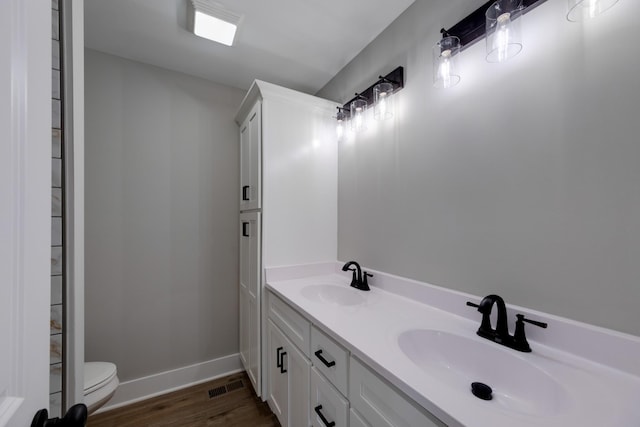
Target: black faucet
[358, 279]
[500, 334]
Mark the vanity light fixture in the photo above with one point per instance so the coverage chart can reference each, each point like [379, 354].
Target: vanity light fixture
[498, 21]
[583, 10]
[379, 93]
[445, 73]
[357, 108]
[210, 20]
[503, 30]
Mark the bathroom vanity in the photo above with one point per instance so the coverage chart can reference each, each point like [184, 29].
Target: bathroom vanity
[406, 353]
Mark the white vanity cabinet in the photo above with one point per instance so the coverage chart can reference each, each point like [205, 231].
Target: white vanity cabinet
[288, 365]
[309, 371]
[288, 176]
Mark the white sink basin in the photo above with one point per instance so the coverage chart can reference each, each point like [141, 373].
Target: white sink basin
[333, 294]
[456, 361]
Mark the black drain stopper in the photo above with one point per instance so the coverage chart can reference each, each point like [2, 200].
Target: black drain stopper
[481, 391]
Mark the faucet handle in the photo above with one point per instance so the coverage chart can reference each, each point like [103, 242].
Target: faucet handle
[471, 304]
[365, 282]
[521, 318]
[520, 342]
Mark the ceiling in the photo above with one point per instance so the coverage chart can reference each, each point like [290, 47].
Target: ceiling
[300, 44]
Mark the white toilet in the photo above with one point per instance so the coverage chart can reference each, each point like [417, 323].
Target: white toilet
[100, 383]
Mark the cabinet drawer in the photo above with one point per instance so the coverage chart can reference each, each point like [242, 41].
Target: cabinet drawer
[382, 405]
[292, 324]
[327, 403]
[330, 358]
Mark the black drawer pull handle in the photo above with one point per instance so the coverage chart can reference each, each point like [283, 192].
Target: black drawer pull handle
[323, 360]
[278, 362]
[280, 359]
[245, 232]
[244, 192]
[324, 420]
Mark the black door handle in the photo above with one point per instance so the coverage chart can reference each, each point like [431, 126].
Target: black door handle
[76, 416]
[245, 232]
[323, 360]
[244, 192]
[322, 417]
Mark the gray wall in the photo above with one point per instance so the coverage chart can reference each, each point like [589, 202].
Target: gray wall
[161, 217]
[524, 180]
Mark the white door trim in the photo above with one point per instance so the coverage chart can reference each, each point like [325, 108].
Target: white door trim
[73, 65]
[25, 212]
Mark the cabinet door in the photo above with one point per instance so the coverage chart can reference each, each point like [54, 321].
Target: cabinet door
[250, 290]
[250, 160]
[278, 375]
[381, 405]
[299, 368]
[288, 374]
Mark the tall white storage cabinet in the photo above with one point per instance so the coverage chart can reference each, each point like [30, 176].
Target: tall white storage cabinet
[288, 192]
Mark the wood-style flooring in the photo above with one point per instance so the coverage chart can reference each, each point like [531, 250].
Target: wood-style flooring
[228, 402]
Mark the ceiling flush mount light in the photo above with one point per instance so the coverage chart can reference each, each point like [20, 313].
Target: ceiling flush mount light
[503, 30]
[211, 21]
[445, 52]
[583, 10]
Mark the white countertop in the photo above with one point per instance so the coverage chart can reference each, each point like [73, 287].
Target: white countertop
[586, 393]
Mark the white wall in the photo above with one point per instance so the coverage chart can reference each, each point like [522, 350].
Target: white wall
[162, 169]
[522, 181]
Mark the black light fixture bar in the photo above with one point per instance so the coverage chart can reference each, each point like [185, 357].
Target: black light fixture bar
[396, 78]
[473, 27]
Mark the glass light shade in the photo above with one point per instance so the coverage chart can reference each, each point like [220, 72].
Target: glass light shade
[445, 70]
[340, 128]
[383, 101]
[341, 118]
[504, 32]
[358, 107]
[583, 10]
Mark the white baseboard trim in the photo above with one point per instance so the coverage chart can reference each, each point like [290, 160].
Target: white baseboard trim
[133, 391]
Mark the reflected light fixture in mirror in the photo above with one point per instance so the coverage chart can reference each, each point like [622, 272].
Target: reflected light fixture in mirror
[445, 73]
[358, 108]
[383, 101]
[503, 30]
[583, 10]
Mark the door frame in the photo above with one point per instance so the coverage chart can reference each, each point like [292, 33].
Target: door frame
[25, 212]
